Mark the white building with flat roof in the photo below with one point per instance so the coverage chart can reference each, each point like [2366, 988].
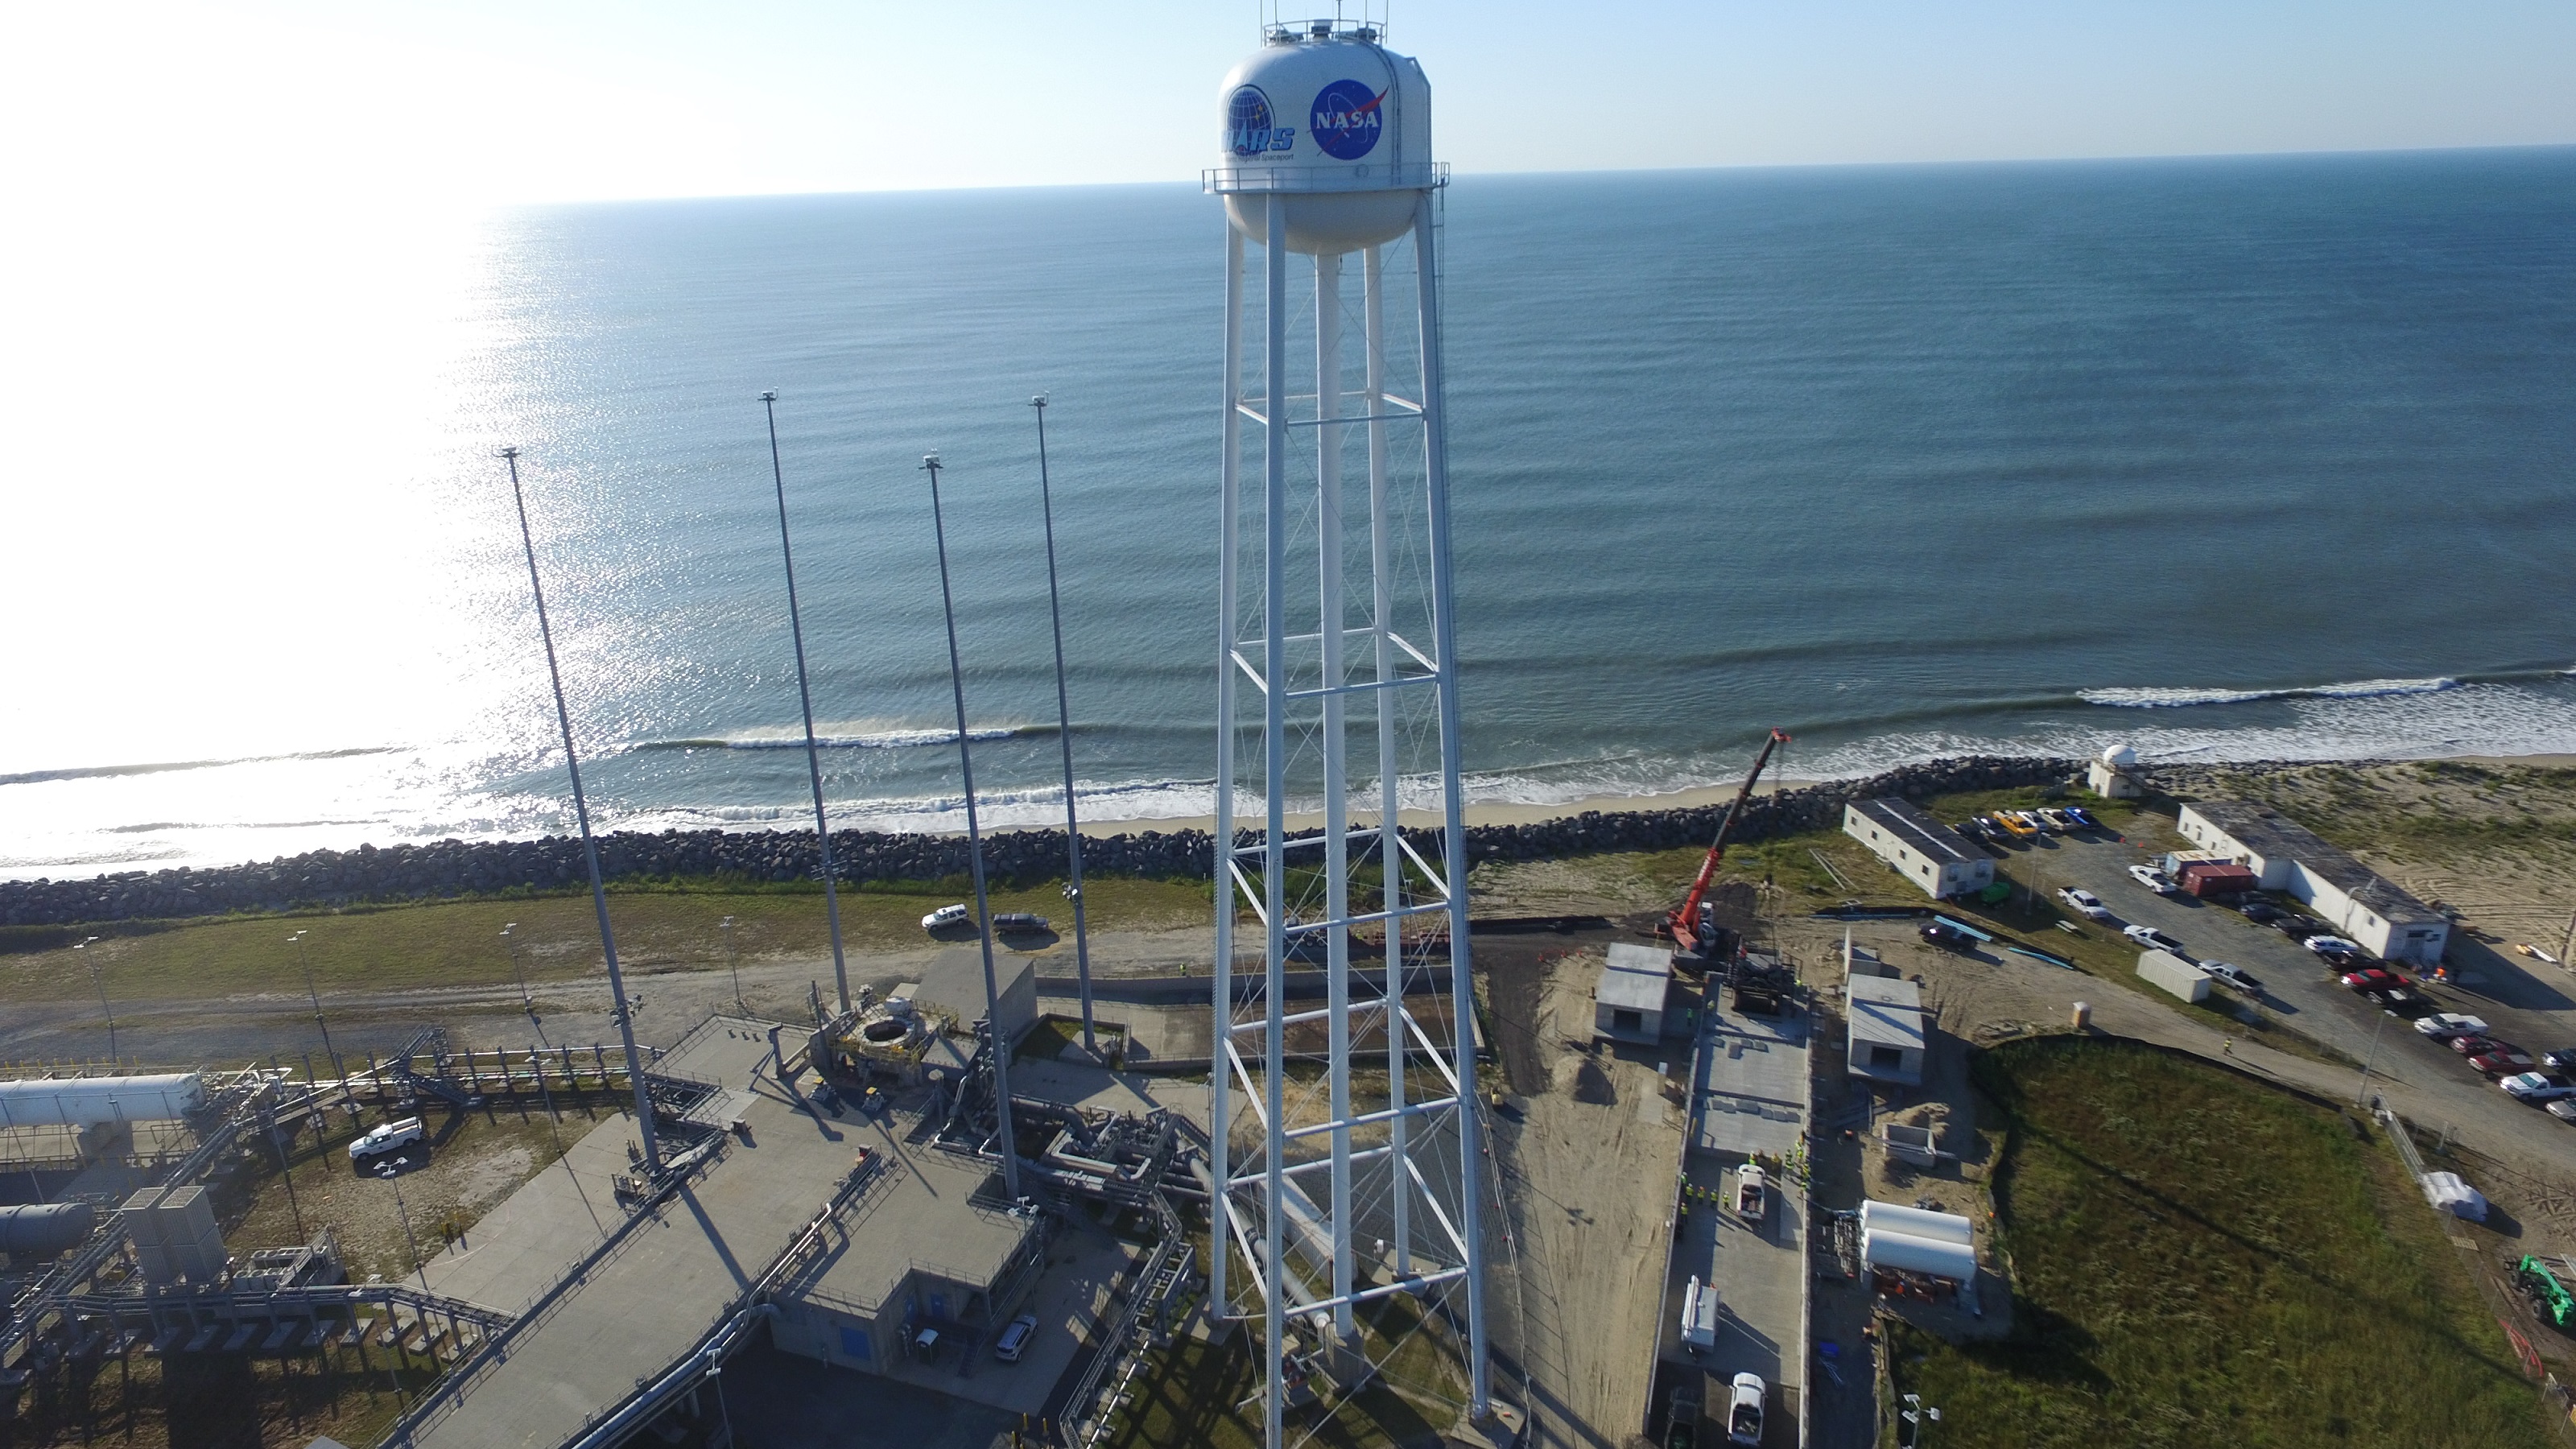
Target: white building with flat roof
[2363, 906]
[1936, 859]
[1628, 1000]
[1884, 1018]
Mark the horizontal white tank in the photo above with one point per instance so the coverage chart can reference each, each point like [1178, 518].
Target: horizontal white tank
[1880, 1248]
[1916, 1222]
[90, 1101]
[1334, 122]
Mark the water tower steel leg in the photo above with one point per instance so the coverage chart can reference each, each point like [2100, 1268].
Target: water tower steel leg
[1462, 985]
[1337, 822]
[1390, 854]
[1220, 1076]
[1274, 696]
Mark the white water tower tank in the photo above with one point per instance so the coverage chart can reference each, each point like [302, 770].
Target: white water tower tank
[1326, 113]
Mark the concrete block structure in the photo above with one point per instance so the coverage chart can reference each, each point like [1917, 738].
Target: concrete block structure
[953, 984]
[1887, 1030]
[1628, 1000]
[2363, 906]
[1929, 854]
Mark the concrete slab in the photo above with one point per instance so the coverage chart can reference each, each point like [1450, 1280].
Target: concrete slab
[1751, 1096]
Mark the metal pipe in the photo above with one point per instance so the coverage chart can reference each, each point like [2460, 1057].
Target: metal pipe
[1229, 504]
[805, 697]
[1444, 630]
[1064, 736]
[589, 843]
[1337, 825]
[997, 1037]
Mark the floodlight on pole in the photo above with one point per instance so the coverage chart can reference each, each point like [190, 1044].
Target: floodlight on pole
[99, 980]
[805, 697]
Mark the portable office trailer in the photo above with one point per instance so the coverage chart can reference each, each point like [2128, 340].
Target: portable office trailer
[2172, 973]
[2363, 906]
[1931, 856]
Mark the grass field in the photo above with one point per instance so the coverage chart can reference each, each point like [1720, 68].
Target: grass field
[2201, 1260]
[459, 942]
[1197, 1395]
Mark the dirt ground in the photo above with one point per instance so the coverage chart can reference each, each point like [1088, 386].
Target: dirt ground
[1588, 1144]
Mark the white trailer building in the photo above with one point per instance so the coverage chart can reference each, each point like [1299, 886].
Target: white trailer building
[1921, 849]
[2363, 906]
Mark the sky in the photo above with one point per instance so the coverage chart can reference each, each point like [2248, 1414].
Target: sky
[484, 101]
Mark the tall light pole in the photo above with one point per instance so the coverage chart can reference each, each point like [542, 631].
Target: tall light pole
[998, 1038]
[100, 981]
[805, 696]
[305, 959]
[1064, 736]
[589, 842]
[726, 926]
[1916, 1415]
[527, 1002]
[418, 1264]
[2363, 1086]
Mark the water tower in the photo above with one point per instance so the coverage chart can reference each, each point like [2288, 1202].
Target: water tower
[1338, 708]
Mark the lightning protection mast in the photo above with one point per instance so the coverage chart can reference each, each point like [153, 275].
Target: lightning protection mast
[1337, 703]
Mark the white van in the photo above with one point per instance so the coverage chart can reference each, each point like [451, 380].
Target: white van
[1699, 1315]
[1015, 1338]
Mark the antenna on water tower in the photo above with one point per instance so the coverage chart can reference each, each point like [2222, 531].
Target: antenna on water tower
[1343, 632]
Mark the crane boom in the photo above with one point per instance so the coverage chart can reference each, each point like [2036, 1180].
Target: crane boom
[1685, 924]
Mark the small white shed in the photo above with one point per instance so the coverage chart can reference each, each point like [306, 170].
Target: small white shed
[1628, 1000]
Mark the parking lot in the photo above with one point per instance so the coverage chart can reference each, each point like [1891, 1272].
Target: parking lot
[2423, 1079]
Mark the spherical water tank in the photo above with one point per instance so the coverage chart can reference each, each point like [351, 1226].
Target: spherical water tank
[1337, 125]
[2119, 757]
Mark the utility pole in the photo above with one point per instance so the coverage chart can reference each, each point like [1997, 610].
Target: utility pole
[1064, 736]
[726, 926]
[315, 990]
[99, 980]
[997, 1038]
[2363, 1086]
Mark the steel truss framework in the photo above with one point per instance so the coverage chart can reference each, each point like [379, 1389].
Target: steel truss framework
[1291, 649]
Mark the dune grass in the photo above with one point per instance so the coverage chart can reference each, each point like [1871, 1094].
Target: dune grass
[459, 942]
[2202, 1260]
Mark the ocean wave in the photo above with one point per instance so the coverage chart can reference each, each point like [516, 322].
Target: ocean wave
[899, 739]
[2178, 698]
[161, 767]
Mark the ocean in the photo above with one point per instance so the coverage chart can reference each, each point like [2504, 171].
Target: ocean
[2226, 459]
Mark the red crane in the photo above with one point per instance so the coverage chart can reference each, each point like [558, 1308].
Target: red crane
[1685, 925]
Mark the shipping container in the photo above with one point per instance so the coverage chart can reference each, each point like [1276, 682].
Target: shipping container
[2211, 878]
[2174, 974]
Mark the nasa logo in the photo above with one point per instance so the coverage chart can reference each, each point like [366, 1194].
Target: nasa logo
[1248, 131]
[1347, 119]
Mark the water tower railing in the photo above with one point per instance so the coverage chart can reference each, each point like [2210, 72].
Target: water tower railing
[1320, 180]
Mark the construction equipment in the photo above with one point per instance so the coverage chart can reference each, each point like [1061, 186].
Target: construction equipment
[2549, 1298]
[1693, 926]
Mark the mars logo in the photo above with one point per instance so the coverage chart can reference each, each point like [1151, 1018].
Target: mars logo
[1347, 119]
[1248, 131]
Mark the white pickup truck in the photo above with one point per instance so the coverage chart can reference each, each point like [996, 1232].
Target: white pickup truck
[391, 1137]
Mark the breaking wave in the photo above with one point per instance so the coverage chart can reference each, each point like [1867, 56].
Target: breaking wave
[2172, 698]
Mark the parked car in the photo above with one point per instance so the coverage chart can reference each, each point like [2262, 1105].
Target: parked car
[2504, 1062]
[1744, 1410]
[944, 917]
[2331, 946]
[2300, 928]
[2403, 1001]
[2084, 903]
[2469, 1044]
[2152, 878]
[1015, 1338]
[2236, 976]
[2014, 826]
[2153, 939]
[2372, 978]
[2564, 1109]
[2083, 818]
[2538, 1087]
[2260, 912]
[2057, 820]
[1751, 1194]
[1019, 921]
[1971, 828]
[1948, 938]
[2563, 1057]
[391, 1137]
[2443, 1025]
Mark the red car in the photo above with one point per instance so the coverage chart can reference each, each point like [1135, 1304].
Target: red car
[2505, 1062]
[2374, 979]
[2475, 1045]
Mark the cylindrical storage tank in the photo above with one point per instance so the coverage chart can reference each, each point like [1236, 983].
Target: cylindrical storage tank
[1334, 122]
[1890, 1217]
[1881, 1248]
[89, 1101]
[44, 1230]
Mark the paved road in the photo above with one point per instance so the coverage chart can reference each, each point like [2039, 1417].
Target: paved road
[2422, 1079]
